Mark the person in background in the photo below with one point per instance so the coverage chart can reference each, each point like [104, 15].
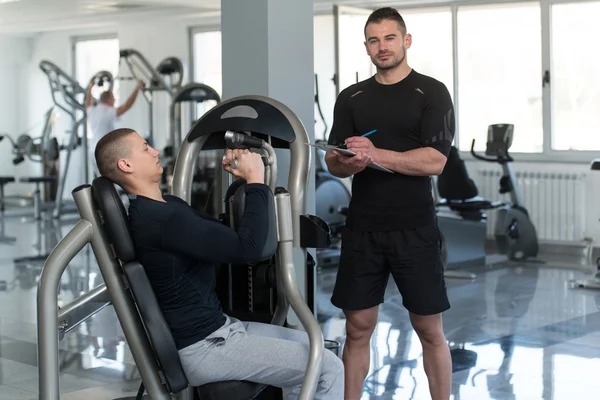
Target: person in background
[104, 116]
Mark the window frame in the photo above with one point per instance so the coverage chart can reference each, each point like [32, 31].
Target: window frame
[86, 38]
[192, 31]
[548, 154]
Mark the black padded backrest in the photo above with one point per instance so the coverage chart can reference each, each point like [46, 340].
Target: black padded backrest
[236, 203]
[454, 182]
[115, 218]
[116, 224]
[158, 331]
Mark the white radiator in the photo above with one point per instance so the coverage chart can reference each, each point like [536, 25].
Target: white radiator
[555, 201]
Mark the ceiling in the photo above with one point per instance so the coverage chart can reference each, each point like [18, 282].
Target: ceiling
[33, 16]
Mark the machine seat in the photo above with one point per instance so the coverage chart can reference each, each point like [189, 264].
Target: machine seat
[37, 179]
[119, 235]
[458, 190]
[230, 390]
[476, 203]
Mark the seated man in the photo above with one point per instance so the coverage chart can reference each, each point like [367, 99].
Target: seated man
[179, 248]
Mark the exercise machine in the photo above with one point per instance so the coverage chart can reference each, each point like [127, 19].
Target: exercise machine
[166, 78]
[594, 281]
[44, 150]
[262, 291]
[192, 93]
[462, 213]
[515, 234]
[462, 218]
[65, 92]
[208, 163]
[272, 125]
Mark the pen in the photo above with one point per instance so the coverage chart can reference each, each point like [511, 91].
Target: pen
[363, 135]
[370, 132]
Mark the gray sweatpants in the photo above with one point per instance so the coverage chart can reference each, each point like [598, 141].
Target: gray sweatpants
[262, 353]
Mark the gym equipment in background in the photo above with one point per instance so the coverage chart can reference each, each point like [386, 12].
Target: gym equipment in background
[515, 234]
[69, 90]
[203, 197]
[462, 213]
[592, 195]
[104, 80]
[461, 218]
[166, 78]
[45, 150]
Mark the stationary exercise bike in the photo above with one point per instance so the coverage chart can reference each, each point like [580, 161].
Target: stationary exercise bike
[515, 234]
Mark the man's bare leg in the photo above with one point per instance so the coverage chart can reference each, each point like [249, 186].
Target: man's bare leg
[436, 354]
[356, 356]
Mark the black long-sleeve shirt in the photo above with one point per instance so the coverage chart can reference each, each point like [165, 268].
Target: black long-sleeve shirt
[179, 248]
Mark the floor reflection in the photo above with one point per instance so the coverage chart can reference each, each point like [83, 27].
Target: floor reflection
[516, 332]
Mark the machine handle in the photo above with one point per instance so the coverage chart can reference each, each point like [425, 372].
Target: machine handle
[477, 156]
[235, 140]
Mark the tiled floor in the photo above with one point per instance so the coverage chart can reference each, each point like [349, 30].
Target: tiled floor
[516, 332]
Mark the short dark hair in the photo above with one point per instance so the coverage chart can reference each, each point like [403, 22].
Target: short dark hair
[386, 13]
[109, 150]
[105, 96]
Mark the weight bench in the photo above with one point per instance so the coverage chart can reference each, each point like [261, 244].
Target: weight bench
[37, 194]
[119, 236]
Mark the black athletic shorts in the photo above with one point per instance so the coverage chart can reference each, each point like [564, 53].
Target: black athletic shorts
[413, 257]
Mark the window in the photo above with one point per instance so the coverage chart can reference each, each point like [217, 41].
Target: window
[574, 79]
[207, 64]
[431, 49]
[93, 56]
[353, 62]
[499, 74]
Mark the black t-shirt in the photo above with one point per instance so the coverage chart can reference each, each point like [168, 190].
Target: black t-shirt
[413, 113]
[179, 248]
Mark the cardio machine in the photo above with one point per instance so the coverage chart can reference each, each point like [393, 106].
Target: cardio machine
[514, 232]
[462, 213]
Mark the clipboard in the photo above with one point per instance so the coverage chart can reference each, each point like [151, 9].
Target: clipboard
[350, 153]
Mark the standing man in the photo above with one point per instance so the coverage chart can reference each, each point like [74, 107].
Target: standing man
[391, 225]
[102, 117]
